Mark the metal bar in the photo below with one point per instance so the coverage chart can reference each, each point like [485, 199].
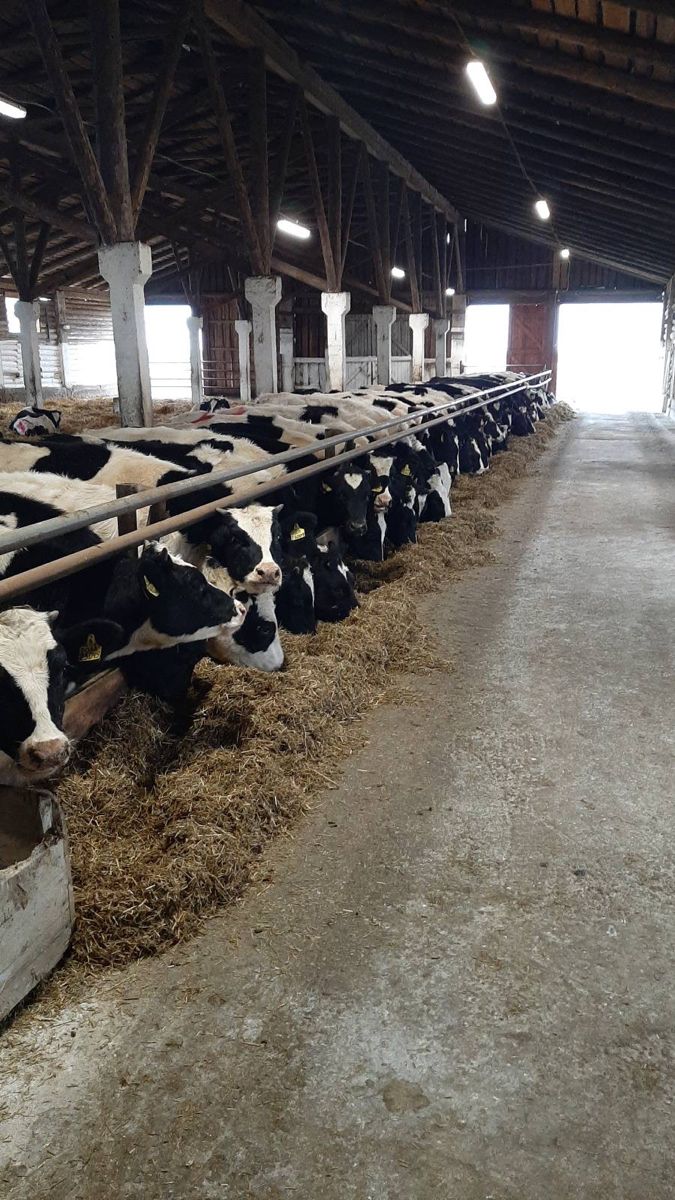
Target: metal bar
[72, 563]
[40, 530]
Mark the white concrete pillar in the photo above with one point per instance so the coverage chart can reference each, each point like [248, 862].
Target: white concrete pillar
[440, 327]
[126, 267]
[263, 293]
[195, 325]
[418, 323]
[286, 351]
[335, 305]
[458, 323]
[243, 332]
[27, 312]
[384, 316]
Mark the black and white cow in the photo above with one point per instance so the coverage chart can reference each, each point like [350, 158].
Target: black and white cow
[35, 422]
[90, 460]
[33, 681]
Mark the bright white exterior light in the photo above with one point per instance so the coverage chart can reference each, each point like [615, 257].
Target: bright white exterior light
[398, 272]
[542, 209]
[9, 109]
[564, 253]
[449, 291]
[480, 81]
[293, 229]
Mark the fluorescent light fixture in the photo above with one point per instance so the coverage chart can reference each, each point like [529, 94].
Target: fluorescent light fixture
[449, 291]
[480, 81]
[43, 299]
[447, 239]
[9, 109]
[398, 272]
[293, 229]
[564, 253]
[542, 209]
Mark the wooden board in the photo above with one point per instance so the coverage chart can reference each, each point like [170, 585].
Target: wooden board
[36, 892]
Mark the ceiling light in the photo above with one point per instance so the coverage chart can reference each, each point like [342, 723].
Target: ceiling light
[542, 209]
[398, 272]
[43, 299]
[564, 253]
[293, 229]
[481, 82]
[9, 109]
[449, 291]
[447, 239]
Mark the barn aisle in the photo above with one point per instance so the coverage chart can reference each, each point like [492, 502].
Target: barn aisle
[458, 980]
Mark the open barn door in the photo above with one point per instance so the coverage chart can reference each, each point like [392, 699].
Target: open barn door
[532, 337]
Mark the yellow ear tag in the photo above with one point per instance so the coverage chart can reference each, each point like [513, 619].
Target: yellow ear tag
[326, 487]
[150, 587]
[378, 488]
[90, 651]
[297, 533]
[406, 470]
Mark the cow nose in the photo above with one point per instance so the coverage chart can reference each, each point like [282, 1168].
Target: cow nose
[357, 526]
[268, 573]
[42, 755]
[383, 500]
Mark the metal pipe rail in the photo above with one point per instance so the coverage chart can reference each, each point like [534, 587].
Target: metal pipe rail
[29, 535]
[72, 563]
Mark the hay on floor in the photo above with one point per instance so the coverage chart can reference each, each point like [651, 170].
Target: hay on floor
[169, 812]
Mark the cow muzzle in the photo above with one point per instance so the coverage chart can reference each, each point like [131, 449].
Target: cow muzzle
[264, 578]
[40, 759]
[382, 500]
[357, 527]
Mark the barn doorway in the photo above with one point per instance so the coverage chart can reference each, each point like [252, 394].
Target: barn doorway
[486, 337]
[610, 357]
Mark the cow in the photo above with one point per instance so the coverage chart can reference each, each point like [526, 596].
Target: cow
[35, 422]
[33, 681]
[244, 541]
[90, 460]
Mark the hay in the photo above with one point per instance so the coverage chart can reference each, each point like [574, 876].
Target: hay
[169, 812]
[79, 415]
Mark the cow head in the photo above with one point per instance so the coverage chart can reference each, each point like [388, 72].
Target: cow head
[344, 495]
[34, 668]
[334, 591]
[246, 541]
[34, 422]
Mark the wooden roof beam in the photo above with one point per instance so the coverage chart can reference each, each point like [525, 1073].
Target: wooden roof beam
[247, 28]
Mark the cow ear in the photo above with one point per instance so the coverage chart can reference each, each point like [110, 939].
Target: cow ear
[53, 618]
[87, 645]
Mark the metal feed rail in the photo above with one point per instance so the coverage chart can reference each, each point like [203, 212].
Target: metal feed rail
[71, 563]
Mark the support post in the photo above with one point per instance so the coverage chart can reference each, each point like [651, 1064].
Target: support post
[418, 323]
[62, 333]
[441, 328]
[126, 267]
[263, 293]
[27, 314]
[335, 305]
[243, 332]
[195, 325]
[458, 322]
[384, 316]
[286, 349]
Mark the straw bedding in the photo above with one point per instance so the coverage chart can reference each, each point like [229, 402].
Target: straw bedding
[78, 416]
[169, 812]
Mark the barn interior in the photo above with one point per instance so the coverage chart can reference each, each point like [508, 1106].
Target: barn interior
[441, 966]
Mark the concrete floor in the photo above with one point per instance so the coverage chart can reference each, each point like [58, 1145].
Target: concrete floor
[459, 983]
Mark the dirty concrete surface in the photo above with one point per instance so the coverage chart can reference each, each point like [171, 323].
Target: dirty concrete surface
[458, 982]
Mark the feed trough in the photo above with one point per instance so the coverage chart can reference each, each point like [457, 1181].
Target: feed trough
[36, 892]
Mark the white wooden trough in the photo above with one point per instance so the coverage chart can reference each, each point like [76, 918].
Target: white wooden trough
[36, 892]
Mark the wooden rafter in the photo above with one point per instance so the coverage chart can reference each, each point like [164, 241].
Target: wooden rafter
[228, 144]
[160, 98]
[104, 17]
[277, 187]
[259, 142]
[81, 151]
[37, 257]
[317, 199]
[351, 197]
[383, 281]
